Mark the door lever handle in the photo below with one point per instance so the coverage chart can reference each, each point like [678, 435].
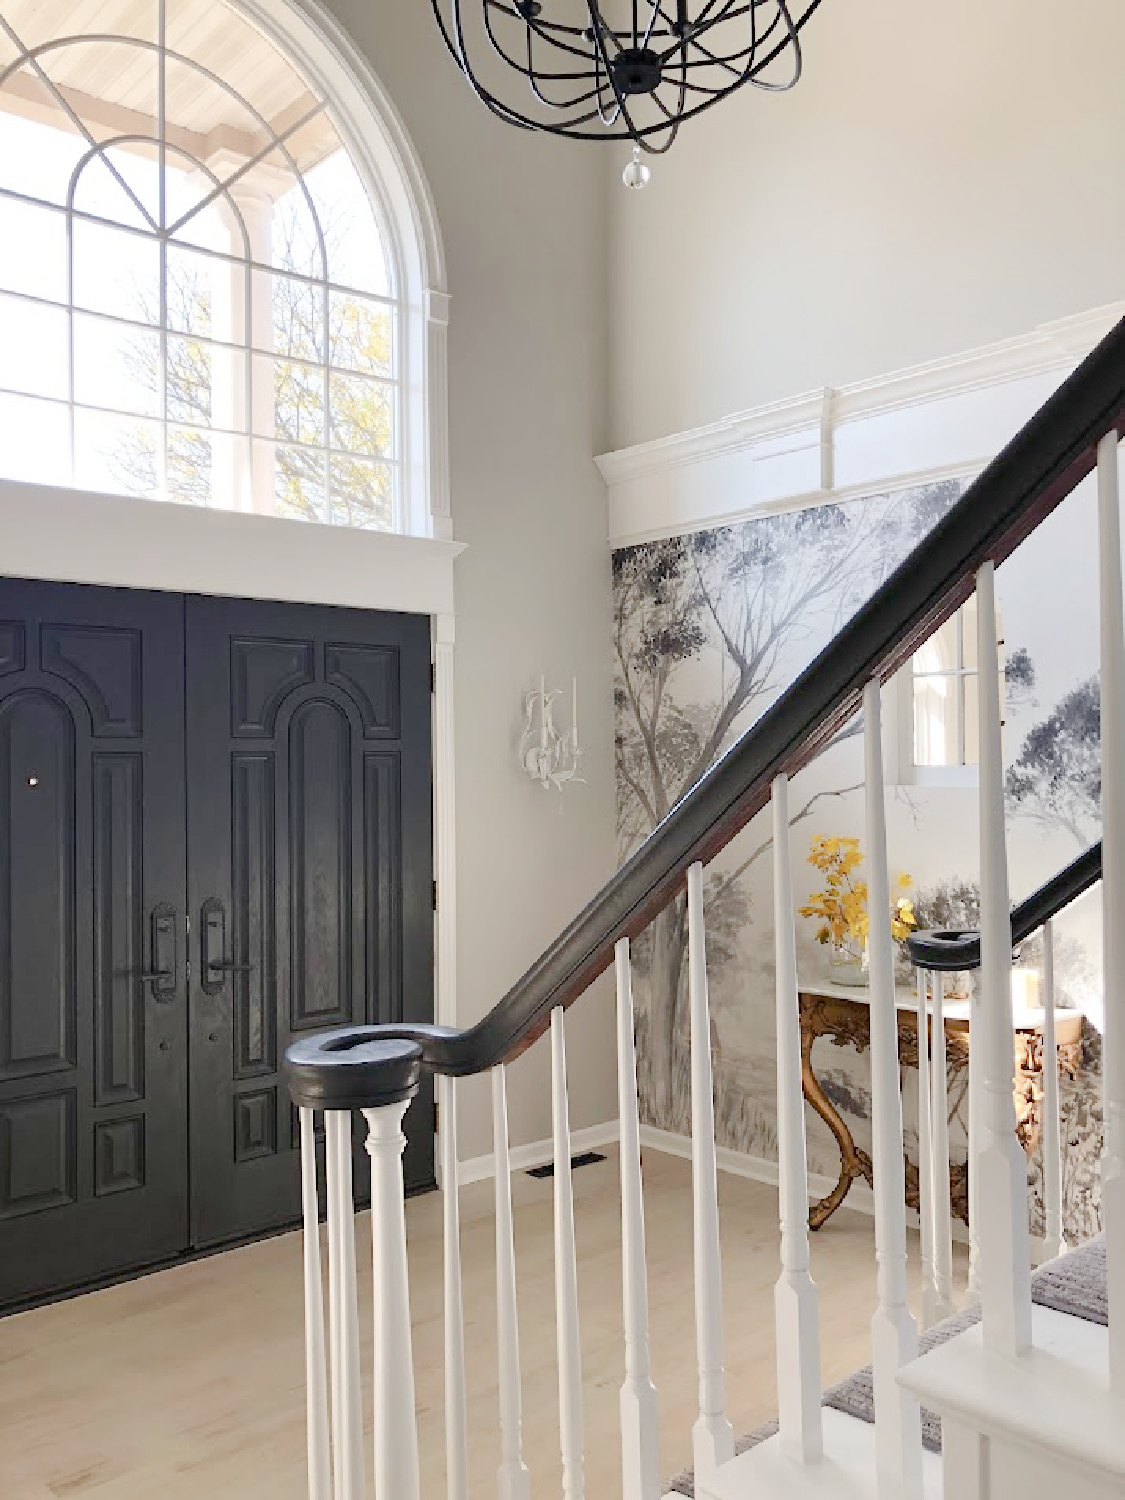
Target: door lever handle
[155, 976]
[164, 974]
[228, 966]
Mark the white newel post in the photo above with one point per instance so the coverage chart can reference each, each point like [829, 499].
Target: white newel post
[894, 1333]
[456, 1429]
[640, 1440]
[1053, 1242]
[712, 1435]
[513, 1479]
[925, 1161]
[347, 1410]
[939, 1146]
[1001, 1206]
[1113, 898]
[316, 1374]
[396, 1426]
[796, 1309]
[566, 1275]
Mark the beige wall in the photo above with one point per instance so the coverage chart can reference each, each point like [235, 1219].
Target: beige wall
[943, 176]
[524, 227]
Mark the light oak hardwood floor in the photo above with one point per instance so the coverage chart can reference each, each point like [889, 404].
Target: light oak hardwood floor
[189, 1384]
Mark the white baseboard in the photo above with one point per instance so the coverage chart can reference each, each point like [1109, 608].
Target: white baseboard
[762, 1169]
[537, 1153]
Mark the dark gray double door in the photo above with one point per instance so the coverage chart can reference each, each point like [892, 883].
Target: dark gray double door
[215, 833]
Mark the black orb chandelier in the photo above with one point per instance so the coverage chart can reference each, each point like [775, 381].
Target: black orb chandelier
[621, 69]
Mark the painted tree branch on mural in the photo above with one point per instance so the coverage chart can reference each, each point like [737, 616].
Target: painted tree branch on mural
[1057, 777]
[742, 608]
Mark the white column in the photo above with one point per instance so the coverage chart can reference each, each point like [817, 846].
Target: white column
[347, 1407]
[712, 1436]
[640, 1438]
[1005, 1249]
[894, 1333]
[1113, 898]
[396, 1426]
[316, 1373]
[796, 1308]
[566, 1275]
[939, 1146]
[925, 1161]
[456, 1429]
[513, 1479]
[1053, 1242]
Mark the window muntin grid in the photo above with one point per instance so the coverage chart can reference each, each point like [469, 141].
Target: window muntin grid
[289, 402]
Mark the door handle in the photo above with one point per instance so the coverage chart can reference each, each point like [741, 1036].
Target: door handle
[164, 974]
[214, 965]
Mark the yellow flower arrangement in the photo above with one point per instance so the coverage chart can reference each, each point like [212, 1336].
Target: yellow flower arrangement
[841, 907]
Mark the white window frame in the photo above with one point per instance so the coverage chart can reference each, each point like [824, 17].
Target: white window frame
[909, 772]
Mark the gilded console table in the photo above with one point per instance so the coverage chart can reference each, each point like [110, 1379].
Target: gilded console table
[844, 1015]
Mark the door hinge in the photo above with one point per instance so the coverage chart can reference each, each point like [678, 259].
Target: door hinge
[435, 895]
[437, 1118]
[433, 677]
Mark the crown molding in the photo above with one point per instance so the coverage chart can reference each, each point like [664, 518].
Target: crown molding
[1051, 346]
[837, 443]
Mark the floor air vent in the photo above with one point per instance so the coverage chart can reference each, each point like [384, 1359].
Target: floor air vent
[583, 1159]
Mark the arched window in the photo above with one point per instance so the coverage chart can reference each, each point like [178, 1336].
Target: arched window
[202, 296]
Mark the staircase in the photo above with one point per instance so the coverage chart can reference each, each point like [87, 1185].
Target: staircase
[1032, 1401]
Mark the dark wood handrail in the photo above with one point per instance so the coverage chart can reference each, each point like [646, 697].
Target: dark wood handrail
[959, 950]
[1040, 466]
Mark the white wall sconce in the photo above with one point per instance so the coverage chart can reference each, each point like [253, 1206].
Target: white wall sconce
[549, 755]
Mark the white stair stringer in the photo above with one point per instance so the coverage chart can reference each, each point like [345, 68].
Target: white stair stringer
[1037, 1426]
[846, 1472]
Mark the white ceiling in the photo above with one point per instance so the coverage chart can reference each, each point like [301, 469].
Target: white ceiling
[116, 83]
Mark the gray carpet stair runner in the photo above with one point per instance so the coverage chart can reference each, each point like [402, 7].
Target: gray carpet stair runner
[1075, 1284]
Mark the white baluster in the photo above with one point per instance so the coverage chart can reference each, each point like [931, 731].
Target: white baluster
[566, 1275]
[1053, 1242]
[640, 1439]
[925, 1162]
[894, 1333]
[1113, 899]
[396, 1425]
[712, 1436]
[347, 1409]
[796, 1309]
[976, 1129]
[513, 1478]
[456, 1430]
[939, 1146]
[316, 1374]
[1005, 1250]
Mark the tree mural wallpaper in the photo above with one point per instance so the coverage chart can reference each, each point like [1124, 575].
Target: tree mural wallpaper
[709, 629]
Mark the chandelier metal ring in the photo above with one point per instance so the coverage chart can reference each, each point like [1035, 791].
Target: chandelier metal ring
[630, 70]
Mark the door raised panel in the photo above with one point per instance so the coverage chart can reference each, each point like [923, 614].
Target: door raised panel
[104, 665]
[320, 865]
[119, 1155]
[263, 674]
[119, 957]
[383, 858]
[253, 914]
[37, 890]
[13, 650]
[369, 675]
[38, 1153]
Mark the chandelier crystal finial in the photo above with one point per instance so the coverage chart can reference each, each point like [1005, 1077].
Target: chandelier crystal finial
[620, 69]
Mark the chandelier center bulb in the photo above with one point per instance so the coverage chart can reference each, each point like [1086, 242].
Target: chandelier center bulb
[636, 174]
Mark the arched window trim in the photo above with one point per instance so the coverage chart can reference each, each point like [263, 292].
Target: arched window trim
[373, 132]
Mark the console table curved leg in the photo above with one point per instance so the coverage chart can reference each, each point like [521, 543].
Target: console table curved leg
[853, 1162]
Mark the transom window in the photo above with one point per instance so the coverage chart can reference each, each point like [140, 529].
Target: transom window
[197, 303]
